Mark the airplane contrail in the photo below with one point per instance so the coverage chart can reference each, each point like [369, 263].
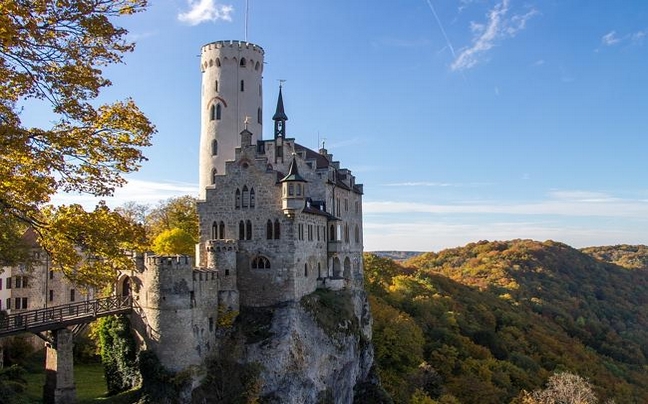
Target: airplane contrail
[436, 16]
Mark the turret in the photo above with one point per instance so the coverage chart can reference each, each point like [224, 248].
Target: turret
[231, 97]
[293, 190]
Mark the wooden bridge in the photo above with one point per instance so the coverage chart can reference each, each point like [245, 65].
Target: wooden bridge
[57, 317]
[59, 367]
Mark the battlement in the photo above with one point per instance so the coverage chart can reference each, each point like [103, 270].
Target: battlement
[231, 44]
[172, 261]
[222, 245]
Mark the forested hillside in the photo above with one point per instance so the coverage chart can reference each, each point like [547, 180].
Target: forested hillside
[485, 322]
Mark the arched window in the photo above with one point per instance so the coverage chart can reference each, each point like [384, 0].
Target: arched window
[252, 198]
[216, 86]
[242, 85]
[332, 233]
[218, 63]
[248, 230]
[347, 268]
[214, 147]
[219, 111]
[357, 234]
[269, 230]
[243, 62]
[241, 230]
[256, 66]
[237, 199]
[260, 263]
[214, 174]
[259, 116]
[221, 230]
[306, 269]
[214, 232]
[212, 113]
[277, 229]
[246, 196]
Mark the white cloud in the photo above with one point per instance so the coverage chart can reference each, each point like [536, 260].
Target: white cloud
[560, 203]
[205, 11]
[610, 39]
[497, 27]
[144, 192]
[435, 236]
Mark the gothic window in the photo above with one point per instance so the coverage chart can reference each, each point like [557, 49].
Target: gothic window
[252, 198]
[242, 85]
[214, 147]
[212, 113]
[260, 263]
[237, 199]
[219, 111]
[246, 196]
[221, 230]
[269, 230]
[218, 63]
[277, 229]
[357, 234]
[248, 230]
[259, 116]
[241, 230]
[256, 66]
[243, 62]
[214, 232]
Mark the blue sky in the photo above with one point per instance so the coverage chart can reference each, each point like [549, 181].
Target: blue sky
[464, 119]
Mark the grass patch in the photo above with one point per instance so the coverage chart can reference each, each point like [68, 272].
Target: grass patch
[88, 377]
[333, 311]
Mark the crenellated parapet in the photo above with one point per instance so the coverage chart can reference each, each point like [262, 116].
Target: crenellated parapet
[222, 245]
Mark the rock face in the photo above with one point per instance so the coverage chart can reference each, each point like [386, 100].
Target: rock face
[306, 360]
[316, 350]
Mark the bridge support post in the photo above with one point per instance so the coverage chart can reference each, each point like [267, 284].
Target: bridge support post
[59, 369]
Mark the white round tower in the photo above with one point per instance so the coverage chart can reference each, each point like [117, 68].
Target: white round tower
[231, 95]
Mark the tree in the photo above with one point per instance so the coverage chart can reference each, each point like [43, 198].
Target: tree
[179, 212]
[52, 52]
[174, 241]
[563, 388]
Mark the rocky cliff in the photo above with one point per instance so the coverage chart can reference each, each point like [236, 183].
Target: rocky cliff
[317, 350]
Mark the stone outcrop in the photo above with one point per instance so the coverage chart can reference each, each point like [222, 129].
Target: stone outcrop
[313, 351]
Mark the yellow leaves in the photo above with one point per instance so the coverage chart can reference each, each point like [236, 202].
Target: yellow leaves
[89, 247]
[174, 241]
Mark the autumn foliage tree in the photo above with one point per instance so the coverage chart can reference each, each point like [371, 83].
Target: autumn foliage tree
[52, 52]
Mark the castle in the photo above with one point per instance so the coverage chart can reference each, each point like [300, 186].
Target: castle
[277, 220]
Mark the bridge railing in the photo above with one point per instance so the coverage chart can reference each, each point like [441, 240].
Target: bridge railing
[63, 315]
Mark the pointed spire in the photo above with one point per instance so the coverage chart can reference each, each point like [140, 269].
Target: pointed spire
[280, 118]
[280, 115]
